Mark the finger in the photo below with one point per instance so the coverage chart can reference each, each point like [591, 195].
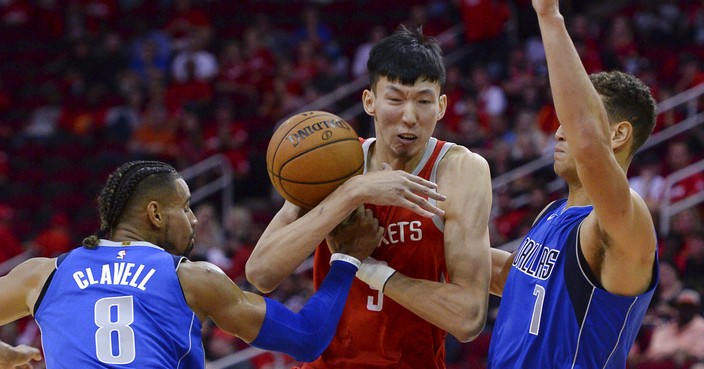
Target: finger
[430, 194]
[421, 181]
[427, 210]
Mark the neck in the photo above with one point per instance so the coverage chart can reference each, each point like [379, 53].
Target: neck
[126, 232]
[377, 157]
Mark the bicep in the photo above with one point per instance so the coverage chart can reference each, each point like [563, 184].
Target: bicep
[234, 311]
[621, 215]
[467, 208]
[21, 287]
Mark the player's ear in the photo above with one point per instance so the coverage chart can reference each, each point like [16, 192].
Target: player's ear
[154, 214]
[443, 106]
[368, 102]
[620, 134]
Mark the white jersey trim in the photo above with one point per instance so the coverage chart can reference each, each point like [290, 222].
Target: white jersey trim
[190, 341]
[108, 243]
[429, 148]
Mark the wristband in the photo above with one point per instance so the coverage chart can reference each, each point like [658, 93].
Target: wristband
[346, 258]
[375, 273]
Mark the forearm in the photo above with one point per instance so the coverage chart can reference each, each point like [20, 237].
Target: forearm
[500, 265]
[459, 310]
[305, 335]
[288, 244]
[570, 83]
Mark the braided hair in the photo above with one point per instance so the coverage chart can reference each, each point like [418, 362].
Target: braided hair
[120, 187]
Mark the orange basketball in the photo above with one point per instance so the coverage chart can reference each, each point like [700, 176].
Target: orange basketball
[310, 155]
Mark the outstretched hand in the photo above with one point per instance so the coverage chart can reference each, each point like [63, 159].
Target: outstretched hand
[358, 235]
[18, 357]
[399, 188]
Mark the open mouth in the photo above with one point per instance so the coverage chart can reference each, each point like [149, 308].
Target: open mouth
[407, 137]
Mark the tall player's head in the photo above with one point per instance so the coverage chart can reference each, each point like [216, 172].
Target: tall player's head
[406, 75]
[149, 201]
[631, 111]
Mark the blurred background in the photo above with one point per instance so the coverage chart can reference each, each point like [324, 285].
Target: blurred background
[86, 85]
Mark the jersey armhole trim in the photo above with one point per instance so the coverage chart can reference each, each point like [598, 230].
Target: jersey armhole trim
[40, 298]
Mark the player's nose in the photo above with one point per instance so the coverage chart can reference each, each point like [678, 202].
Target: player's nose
[558, 134]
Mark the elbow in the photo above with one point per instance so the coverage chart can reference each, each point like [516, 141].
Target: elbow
[307, 357]
[312, 346]
[258, 277]
[470, 328]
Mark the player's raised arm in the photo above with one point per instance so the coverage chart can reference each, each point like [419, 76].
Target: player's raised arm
[602, 145]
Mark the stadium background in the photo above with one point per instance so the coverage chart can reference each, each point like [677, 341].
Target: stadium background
[88, 84]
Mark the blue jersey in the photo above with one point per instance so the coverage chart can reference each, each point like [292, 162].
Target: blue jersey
[119, 305]
[553, 312]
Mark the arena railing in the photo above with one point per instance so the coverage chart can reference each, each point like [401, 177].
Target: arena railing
[218, 165]
[669, 209]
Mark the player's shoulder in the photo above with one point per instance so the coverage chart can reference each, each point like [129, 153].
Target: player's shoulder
[460, 156]
[199, 271]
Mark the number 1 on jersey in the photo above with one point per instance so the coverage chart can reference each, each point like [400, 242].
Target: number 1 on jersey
[539, 292]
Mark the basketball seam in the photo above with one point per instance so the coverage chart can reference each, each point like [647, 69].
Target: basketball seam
[281, 167]
[282, 140]
[301, 202]
[280, 178]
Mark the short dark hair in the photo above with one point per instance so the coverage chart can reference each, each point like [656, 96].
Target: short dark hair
[129, 181]
[405, 56]
[627, 98]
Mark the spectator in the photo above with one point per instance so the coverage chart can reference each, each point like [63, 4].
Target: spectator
[43, 120]
[123, 119]
[485, 31]
[649, 182]
[491, 99]
[260, 60]
[234, 79]
[529, 142]
[620, 50]
[690, 73]
[204, 63]
[241, 234]
[155, 138]
[227, 136]
[188, 92]
[55, 239]
[11, 245]
[669, 286]
[680, 342]
[678, 157]
[150, 56]
[187, 23]
[210, 244]
[692, 259]
[361, 54]
[312, 30]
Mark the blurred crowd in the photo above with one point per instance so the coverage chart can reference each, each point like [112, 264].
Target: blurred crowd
[86, 85]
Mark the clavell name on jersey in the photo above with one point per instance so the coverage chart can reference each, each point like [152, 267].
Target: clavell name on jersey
[115, 274]
[535, 259]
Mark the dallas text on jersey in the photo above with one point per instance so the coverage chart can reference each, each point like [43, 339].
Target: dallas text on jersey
[535, 259]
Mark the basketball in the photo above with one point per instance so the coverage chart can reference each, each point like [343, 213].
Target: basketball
[310, 155]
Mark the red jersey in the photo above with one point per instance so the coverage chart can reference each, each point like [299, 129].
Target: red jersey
[375, 331]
